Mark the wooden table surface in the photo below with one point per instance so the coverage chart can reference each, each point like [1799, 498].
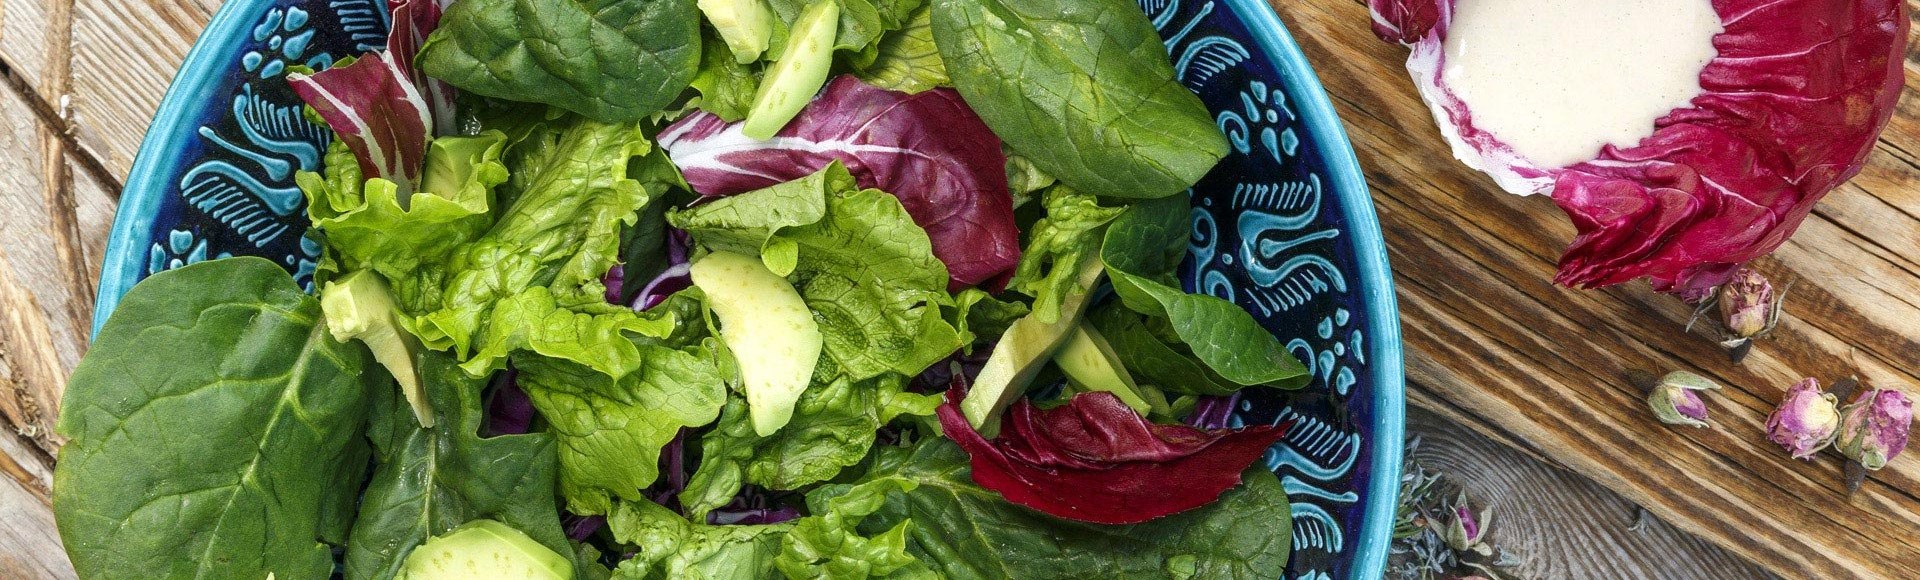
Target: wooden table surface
[1518, 386]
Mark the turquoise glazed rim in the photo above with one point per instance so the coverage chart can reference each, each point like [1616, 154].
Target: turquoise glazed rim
[205, 80]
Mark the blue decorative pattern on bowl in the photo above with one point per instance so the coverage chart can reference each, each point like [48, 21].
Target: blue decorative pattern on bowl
[1284, 226]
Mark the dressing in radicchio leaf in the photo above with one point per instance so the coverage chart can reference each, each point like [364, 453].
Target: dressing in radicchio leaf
[1788, 109]
[1095, 460]
[927, 148]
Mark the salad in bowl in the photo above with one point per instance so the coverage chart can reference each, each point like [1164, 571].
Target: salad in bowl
[840, 288]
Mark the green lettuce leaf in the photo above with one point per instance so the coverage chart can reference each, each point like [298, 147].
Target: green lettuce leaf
[833, 427]
[577, 187]
[610, 431]
[1245, 534]
[865, 269]
[1057, 246]
[407, 236]
[612, 60]
[672, 548]
[726, 87]
[214, 431]
[823, 545]
[1142, 250]
[906, 60]
[430, 480]
[589, 335]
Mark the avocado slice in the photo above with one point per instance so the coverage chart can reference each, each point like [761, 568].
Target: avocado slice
[484, 549]
[1092, 365]
[746, 25]
[360, 306]
[773, 336]
[802, 69]
[1025, 349]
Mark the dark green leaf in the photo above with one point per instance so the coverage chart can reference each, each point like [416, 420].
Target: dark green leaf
[1083, 89]
[1246, 534]
[612, 60]
[1143, 247]
[430, 480]
[213, 431]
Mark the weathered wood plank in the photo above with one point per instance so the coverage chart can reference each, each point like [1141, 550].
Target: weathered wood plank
[1560, 525]
[29, 544]
[52, 229]
[113, 102]
[1490, 335]
[31, 45]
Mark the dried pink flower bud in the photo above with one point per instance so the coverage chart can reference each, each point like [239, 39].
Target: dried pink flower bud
[1674, 399]
[1747, 305]
[1466, 530]
[1805, 421]
[1873, 428]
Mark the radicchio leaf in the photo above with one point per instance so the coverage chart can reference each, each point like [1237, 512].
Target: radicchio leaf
[928, 149]
[1095, 460]
[1791, 106]
[380, 105]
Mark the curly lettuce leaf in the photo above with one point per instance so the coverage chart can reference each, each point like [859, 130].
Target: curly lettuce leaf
[611, 60]
[213, 418]
[373, 224]
[429, 480]
[1082, 88]
[862, 265]
[575, 190]
[610, 431]
[826, 544]
[1142, 249]
[832, 428]
[1057, 246]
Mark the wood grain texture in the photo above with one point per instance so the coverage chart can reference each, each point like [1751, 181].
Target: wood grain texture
[1488, 333]
[113, 102]
[1556, 523]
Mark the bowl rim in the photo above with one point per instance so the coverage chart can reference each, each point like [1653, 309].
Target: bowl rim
[201, 73]
[1376, 277]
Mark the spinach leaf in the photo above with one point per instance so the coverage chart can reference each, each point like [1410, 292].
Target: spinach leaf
[865, 269]
[906, 60]
[430, 480]
[1142, 249]
[612, 60]
[833, 426]
[1156, 358]
[214, 431]
[1246, 534]
[1083, 89]
[610, 431]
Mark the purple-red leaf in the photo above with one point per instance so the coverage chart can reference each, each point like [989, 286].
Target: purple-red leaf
[1096, 460]
[380, 105]
[1790, 108]
[928, 149]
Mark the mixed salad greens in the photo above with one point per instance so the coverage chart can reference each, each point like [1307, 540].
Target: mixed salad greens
[727, 289]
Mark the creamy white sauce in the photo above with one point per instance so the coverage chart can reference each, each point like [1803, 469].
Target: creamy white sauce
[1558, 79]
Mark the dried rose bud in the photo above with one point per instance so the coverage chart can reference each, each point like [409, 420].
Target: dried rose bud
[1805, 421]
[1747, 304]
[1675, 401]
[1464, 532]
[1873, 428]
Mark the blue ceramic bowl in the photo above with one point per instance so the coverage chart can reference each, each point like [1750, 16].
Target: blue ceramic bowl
[1283, 227]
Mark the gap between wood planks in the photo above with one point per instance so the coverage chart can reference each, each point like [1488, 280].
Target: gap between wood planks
[55, 117]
